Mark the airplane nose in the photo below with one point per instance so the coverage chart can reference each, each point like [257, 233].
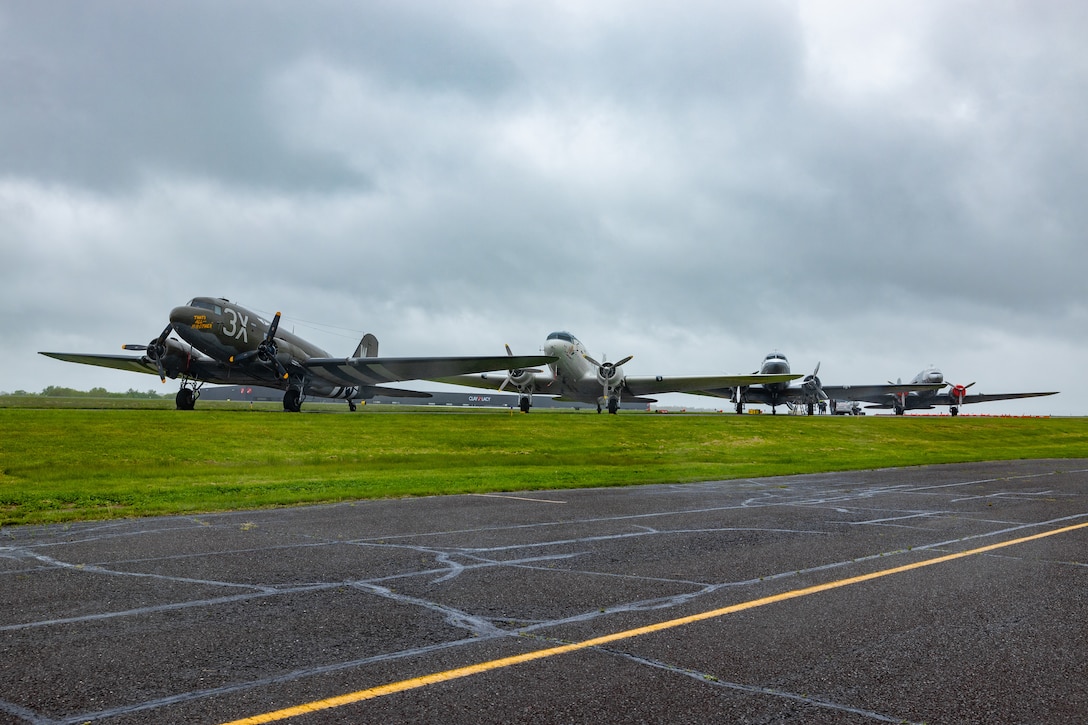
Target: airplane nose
[181, 314]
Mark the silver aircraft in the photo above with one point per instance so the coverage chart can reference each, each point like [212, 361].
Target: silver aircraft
[925, 398]
[575, 376]
[809, 391]
[213, 340]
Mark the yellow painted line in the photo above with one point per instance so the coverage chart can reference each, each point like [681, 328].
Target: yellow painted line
[454, 674]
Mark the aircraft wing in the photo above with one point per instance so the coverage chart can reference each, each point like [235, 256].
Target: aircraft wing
[374, 370]
[175, 363]
[946, 399]
[132, 363]
[716, 385]
[874, 393]
[494, 380]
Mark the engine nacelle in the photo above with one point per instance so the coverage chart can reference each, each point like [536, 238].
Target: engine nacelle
[519, 378]
[606, 374]
[958, 393]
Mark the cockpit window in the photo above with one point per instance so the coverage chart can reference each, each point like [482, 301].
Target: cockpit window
[206, 305]
[565, 336]
[775, 356]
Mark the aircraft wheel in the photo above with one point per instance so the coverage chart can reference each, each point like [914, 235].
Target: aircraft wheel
[292, 401]
[185, 399]
[954, 410]
[524, 404]
[613, 406]
[351, 406]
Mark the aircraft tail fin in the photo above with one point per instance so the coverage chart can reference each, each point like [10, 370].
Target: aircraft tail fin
[368, 346]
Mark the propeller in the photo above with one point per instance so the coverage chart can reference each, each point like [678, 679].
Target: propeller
[156, 350]
[606, 371]
[958, 393]
[517, 376]
[811, 384]
[266, 351]
[900, 398]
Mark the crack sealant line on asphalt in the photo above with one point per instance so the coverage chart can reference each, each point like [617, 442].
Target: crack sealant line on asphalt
[481, 667]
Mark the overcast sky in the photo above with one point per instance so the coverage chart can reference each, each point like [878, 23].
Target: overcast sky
[876, 186]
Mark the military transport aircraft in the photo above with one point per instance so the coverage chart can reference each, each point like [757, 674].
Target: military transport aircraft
[809, 391]
[576, 376]
[925, 398]
[222, 342]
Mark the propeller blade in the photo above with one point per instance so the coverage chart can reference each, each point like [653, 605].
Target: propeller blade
[592, 361]
[623, 361]
[156, 349]
[273, 327]
[280, 369]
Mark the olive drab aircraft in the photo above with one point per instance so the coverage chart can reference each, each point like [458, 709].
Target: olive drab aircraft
[213, 340]
[925, 397]
[575, 376]
[809, 391]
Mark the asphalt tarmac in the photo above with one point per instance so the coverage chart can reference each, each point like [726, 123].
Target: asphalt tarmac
[943, 594]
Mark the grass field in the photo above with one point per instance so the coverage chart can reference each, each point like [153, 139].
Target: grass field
[137, 458]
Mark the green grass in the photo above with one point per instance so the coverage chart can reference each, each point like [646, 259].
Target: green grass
[64, 464]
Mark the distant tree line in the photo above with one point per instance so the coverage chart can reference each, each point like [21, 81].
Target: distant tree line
[55, 391]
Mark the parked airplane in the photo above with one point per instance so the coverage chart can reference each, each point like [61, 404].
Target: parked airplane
[808, 391]
[925, 399]
[576, 376]
[222, 342]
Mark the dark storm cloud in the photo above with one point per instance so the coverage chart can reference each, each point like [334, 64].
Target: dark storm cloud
[105, 94]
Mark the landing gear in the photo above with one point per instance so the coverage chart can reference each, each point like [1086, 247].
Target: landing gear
[740, 408]
[899, 409]
[613, 405]
[292, 400]
[351, 406]
[811, 408]
[186, 397]
[954, 410]
[524, 403]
